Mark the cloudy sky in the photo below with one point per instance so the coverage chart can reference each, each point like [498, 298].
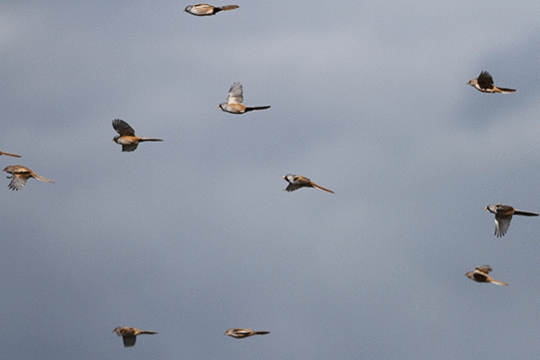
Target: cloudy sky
[195, 235]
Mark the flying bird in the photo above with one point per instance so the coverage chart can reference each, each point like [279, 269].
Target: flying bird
[480, 274]
[20, 175]
[207, 10]
[243, 333]
[484, 83]
[8, 154]
[127, 137]
[235, 98]
[299, 181]
[503, 216]
[129, 334]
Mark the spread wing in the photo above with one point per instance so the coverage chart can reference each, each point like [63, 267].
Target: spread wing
[484, 269]
[18, 181]
[502, 223]
[485, 81]
[129, 147]
[123, 128]
[235, 94]
[129, 340]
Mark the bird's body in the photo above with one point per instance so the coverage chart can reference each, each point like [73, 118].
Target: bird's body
[20, 175]
[484, 83]
[8, 154]
[207, 10]
[503, 216]
[129, 334]
[235, 98]
[299, 181]
[480, 274]
[243, 333]
[127, 137]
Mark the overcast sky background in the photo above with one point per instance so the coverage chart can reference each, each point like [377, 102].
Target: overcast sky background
[195, 235]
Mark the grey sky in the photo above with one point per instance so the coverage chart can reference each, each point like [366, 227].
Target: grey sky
[195, 235]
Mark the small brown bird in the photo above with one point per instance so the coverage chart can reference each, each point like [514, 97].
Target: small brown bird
[480, 274]
[484, 83]
[299, 181]
[20, 175]
[127, 137]
[8, 154]
[207, 10]
[503, 216]
[235, 98]
[129, 334]
[243, 333]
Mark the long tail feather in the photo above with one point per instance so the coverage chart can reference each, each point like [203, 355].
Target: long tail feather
[229, 7]
[498, 282]
[43, 179]
[504, 90]
[148, 332]
[149, 139]
[5, 153]
[320, 187]
[257, 108]
[261, 332]
[524, 213]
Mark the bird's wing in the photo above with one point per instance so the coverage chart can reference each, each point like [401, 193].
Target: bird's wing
[502, 223]
[17, 182]
[123, 128]
[129, 340]
[485, 81]
[235, 94]
[484, 269]
[129, 147]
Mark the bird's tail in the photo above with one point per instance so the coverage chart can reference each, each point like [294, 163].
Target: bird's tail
[43, 179]
[504, 90]
[261, 332]
[229, 7]
[498, 282]
[143, 332]
[320, 187]
[149, 139]
[5, 153]
[257, 108]
[524, 213]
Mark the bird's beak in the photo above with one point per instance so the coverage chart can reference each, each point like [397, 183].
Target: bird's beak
[283, 177]
[218, 106]
[485, 208]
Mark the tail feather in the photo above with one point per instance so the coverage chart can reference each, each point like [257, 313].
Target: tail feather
[498, 282]
[229, 7]
[257, 108]
[261, 332]
[504, 90]
[43, 179]
[524, 213]
[149, 139]
[320, 187]
[147, 332]
[5, 153]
